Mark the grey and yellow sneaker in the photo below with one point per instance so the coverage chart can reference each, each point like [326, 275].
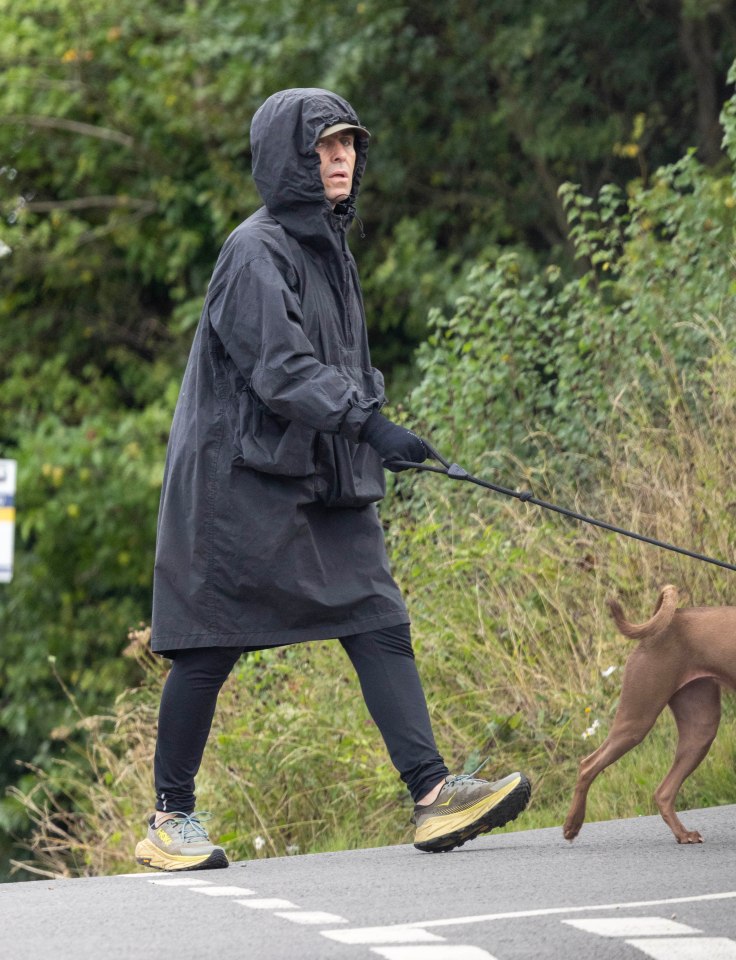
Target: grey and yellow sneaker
[180, 843]
[466, 807]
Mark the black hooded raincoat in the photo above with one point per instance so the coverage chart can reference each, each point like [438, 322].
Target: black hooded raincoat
[268, 533]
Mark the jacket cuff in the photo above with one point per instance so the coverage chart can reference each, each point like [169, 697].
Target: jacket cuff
[355, 418]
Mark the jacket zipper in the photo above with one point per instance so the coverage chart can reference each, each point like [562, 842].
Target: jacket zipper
[348, 324]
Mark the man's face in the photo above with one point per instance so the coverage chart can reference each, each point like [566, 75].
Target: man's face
[337, 162]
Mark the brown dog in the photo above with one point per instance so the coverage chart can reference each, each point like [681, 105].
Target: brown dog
[682, 658]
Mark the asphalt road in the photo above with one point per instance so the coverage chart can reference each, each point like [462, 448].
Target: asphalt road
[624, 889]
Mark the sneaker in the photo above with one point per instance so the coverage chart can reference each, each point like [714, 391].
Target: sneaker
[466, 807]
[179, 843]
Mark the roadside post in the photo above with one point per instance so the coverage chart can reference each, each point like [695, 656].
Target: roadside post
[8, 472]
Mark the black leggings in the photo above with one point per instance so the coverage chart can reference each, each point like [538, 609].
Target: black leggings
[384, 662]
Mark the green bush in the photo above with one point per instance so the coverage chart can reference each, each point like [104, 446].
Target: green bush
[82, 575]
[530, 362]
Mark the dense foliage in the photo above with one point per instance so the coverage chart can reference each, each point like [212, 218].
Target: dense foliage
[124, 163]
[532, 359]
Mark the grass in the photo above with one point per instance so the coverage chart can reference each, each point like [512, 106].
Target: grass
[514, 645]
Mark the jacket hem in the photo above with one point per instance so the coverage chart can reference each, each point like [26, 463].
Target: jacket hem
[161, 643]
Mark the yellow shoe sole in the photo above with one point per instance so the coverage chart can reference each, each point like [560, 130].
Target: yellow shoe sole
[149, 855]
[442, 833]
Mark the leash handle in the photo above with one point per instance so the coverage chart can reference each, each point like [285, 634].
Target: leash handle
[456, 472]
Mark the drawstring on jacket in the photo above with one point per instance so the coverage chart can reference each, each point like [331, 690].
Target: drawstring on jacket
[344, 208]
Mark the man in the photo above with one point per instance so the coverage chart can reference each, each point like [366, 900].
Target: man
[268, 531]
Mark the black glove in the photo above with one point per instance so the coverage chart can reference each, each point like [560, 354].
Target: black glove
[391, 441]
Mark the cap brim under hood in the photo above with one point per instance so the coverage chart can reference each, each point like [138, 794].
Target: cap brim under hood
[338, 127]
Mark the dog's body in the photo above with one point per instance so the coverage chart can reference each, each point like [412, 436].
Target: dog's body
[682, 658]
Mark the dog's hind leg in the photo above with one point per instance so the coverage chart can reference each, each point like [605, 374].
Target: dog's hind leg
[697, 711]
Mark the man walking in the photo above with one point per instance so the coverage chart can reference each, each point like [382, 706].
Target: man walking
[268, 532]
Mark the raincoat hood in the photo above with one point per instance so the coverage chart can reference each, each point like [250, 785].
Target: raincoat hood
[286, 166]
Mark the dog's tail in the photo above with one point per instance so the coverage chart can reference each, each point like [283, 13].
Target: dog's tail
[659, 621]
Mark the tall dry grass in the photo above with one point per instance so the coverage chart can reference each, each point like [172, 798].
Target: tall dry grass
[520, 661]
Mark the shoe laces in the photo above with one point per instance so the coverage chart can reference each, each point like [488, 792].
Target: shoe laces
[467, 777]
[190, 825]
[455, 779]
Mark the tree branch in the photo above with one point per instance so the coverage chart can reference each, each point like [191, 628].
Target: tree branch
[85, 203]
[696, 41]
[71, 126]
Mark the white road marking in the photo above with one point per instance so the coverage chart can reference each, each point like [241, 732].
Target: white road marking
[311, 917]
[180, 882]
[224, 891]
[689, 948]
[395, 934]
[444, 951]
[632, 926]
[551, 911]
[269, 904]
[650, 935]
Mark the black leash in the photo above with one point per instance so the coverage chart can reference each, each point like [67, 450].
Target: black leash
[456, 472]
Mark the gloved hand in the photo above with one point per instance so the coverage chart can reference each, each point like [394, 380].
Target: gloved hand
[391, 441]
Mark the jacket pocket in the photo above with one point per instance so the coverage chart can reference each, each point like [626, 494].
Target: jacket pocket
[351, 474]
[348, 474]
[269, 443]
